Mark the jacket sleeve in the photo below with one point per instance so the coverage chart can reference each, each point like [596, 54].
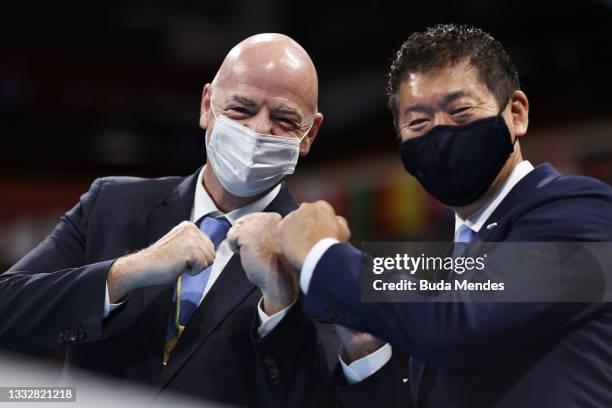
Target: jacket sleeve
[49, 297]
[384, 388]
[294, 361]
[456, 333]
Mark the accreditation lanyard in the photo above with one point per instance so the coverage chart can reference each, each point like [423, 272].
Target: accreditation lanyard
[172, 341]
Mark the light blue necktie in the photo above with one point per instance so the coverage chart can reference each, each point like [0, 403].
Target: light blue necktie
[463, 236]
[192, 286]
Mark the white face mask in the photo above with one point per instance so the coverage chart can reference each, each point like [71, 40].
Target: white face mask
[247, 163]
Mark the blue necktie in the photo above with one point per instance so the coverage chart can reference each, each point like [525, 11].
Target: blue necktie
[192, 286]
[463, 236]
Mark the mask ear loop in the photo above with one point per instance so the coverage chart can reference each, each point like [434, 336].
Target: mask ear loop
[503, 108]
[214, 114]
[499, 114]
[212, 109]
[306, 133]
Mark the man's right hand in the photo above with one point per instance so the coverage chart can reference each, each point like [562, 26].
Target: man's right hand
[184, 249]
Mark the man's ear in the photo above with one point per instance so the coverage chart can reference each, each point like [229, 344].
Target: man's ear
[205, 106]
[312, 134]
[519, 110]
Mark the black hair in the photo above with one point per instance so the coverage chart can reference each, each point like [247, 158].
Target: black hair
[446, 45]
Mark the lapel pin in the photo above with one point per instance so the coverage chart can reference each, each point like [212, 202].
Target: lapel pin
[491, 225]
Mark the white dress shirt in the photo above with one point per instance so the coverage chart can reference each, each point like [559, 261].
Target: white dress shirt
[366, 366]
[204, 205]
[480, 216]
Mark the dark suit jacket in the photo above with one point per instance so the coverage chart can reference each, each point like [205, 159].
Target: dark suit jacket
[55, 295]
[495, 354]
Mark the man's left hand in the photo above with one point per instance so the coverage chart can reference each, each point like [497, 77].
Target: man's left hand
[255, 237]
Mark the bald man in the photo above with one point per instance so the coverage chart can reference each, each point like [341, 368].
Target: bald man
[185, 310]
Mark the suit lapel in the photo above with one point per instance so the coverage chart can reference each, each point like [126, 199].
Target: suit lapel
[228, 291]
[497, 224]
[157, 300]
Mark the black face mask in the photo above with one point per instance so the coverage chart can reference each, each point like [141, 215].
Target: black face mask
[457, 163]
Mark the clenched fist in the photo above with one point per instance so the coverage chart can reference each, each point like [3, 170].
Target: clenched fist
[184, 249]
[255, 236]
[303, 228]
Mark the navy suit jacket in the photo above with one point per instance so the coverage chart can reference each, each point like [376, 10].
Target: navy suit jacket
[495, 354]
[55, 296]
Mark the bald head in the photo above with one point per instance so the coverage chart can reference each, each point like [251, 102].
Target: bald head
[271, 61]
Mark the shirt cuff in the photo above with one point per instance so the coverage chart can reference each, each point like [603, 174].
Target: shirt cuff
[361, 369]
[108, 306]
[310, 263]
[268, 323]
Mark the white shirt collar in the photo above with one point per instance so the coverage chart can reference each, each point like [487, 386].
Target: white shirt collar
[477, 220]
[204, 205]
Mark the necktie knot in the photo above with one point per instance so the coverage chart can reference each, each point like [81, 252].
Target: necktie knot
[464, 234]
[215, 228]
